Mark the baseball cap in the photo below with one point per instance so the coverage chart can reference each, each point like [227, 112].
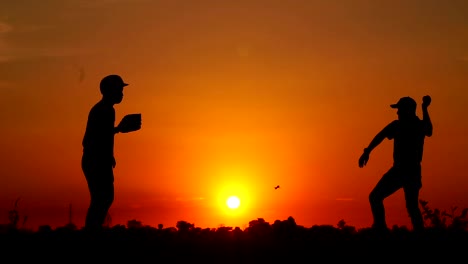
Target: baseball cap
[111, 81]
[405, 103]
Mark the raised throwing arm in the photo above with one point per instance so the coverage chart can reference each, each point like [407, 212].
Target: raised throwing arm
[426, 118]
[374, 143]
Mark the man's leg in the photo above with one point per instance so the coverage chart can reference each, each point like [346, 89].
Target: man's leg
[388, 184]
[101, 189]
[102, 196]
[412, 205]
[411, 189]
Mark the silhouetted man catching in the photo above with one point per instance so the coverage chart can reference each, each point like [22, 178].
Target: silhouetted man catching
[408, 134]
[98, 159]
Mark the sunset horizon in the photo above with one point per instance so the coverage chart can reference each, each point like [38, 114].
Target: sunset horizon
[249, 109]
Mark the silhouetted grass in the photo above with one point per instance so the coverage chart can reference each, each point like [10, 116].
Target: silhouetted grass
[445, 238]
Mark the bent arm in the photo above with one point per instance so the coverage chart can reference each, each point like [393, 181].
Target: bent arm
[376, 141]
[427, 122]
[384, 133]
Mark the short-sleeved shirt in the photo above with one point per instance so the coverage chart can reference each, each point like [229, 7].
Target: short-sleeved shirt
[98, 140]
[408, 140]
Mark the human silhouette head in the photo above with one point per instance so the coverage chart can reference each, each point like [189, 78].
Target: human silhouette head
[406, 107]
[111, 88]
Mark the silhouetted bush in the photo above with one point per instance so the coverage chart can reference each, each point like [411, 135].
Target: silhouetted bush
[438, 219]
[284, 239]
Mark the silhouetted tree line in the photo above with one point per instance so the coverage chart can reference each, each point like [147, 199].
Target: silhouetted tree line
[452, 219]
[260, 238]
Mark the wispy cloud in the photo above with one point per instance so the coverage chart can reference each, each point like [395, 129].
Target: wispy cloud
[5, 28]
[4, 48]
[11, 52]
[182, 199]
[463, 59]
[103, 3]
[4, 58]
[32, 37]
[8, 54]
[4, 84]
[344, 199]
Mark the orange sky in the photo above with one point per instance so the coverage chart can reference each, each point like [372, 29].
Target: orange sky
[236, 97]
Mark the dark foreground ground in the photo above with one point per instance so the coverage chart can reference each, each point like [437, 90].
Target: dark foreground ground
[257, 244]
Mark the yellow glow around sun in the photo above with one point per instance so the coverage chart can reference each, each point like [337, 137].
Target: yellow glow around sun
[233, 202]
[234, 199]
[233, 180]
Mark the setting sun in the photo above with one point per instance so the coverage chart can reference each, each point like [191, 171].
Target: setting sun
[245, 109]
[233, 202]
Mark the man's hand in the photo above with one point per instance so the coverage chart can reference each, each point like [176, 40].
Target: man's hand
[129, 123]
[363, 159]
[426, 101]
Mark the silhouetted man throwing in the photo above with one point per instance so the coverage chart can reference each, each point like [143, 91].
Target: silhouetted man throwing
[98, 159]
[408, 134]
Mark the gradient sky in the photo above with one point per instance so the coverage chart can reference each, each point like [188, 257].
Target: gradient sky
[236, 97]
